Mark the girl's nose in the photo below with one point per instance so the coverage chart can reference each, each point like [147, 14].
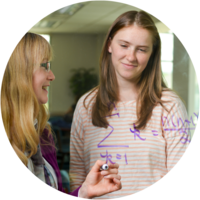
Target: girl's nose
[131, 56]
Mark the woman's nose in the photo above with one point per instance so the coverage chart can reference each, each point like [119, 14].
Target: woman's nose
[51, 76]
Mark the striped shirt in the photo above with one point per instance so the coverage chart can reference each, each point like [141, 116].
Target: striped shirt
[144, 156]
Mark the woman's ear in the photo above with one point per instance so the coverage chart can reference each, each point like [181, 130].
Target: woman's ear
[109, 45]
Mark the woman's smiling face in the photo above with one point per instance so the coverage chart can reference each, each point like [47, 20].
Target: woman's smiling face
[130, 49]
[42, 76]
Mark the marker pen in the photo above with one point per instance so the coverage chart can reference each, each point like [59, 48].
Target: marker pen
[104, 167]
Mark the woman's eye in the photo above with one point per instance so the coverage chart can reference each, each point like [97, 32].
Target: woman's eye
[45, 65]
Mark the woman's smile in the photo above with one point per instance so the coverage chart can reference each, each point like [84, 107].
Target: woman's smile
[45, 88]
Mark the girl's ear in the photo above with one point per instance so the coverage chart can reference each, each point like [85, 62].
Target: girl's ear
[109, 45]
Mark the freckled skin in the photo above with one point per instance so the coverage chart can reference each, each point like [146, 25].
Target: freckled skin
[130, 51]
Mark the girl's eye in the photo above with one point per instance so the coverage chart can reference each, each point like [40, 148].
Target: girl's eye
[143, 50]
[123, 45]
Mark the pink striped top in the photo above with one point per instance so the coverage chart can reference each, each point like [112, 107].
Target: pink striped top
[144, 156]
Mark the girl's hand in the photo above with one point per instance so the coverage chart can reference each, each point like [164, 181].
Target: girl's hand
[98, 183]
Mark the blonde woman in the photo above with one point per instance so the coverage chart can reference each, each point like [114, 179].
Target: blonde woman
[23, 95]
[131, 117]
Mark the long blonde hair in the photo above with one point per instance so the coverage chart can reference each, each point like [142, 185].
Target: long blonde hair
[151, 83]
[19, 105]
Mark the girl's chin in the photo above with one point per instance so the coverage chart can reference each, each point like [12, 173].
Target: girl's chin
[127, 77]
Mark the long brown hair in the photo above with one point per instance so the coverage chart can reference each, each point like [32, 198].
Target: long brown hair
[151, 82]
[19, 104]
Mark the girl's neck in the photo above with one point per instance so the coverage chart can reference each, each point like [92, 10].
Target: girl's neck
[128, 91]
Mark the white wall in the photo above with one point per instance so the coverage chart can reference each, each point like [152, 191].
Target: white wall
[70, 51]
[99, 45]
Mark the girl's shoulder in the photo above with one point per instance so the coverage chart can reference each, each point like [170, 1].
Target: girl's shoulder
[87, 99]
[169, 95]
[171, 98]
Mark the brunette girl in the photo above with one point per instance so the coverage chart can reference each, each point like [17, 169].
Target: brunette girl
[131, 117]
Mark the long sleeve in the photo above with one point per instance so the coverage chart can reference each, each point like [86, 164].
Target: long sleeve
[75, 192]
[176, 133]
[77, 164]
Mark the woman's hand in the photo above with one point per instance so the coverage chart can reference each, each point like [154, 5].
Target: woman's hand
[98, 183]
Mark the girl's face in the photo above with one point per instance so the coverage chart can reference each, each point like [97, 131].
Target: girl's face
[130, 49]
[42, 76]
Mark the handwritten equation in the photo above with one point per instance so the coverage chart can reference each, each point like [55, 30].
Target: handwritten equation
[136, 134]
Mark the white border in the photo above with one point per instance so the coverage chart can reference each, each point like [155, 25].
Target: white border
[181, 16]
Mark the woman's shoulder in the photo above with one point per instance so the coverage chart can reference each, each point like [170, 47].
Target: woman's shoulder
[47, 138]
[47, 143]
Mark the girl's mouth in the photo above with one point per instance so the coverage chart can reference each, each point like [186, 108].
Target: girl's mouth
[128, 66]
